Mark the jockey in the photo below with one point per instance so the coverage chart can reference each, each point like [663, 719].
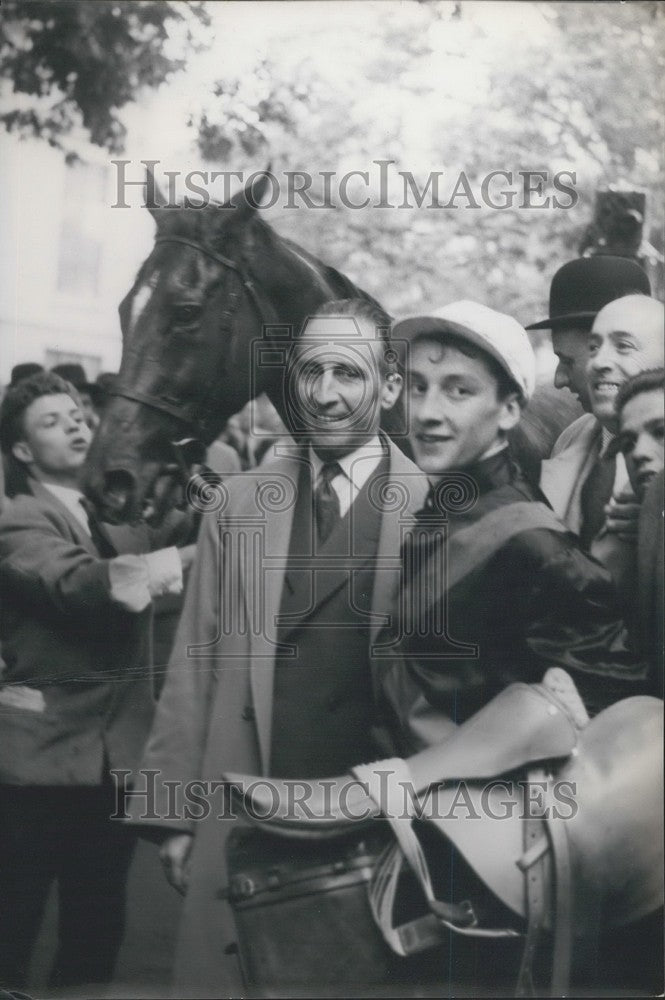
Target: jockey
[496, 589]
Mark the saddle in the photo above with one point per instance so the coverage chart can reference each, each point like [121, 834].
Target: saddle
[559, 818]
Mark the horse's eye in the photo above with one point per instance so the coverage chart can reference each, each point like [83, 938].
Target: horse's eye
[186, 313]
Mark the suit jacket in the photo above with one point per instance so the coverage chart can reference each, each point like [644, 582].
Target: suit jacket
[222, 459]
[215, 712]
[650, 584]
[563, 475]
[76, 690]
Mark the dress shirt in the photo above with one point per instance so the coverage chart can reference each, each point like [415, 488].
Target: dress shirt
[356, 468]
[71, 499]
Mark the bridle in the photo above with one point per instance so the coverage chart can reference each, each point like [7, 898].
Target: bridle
[189, 414]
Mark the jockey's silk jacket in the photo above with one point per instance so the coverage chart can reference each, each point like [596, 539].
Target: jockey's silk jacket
[512, 595]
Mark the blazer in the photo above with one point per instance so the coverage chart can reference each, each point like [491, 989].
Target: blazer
[215, 711]
[563, 475]
[650, 584]
[76, 693]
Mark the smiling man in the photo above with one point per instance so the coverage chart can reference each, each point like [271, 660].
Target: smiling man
[291, 693]
[511, 591]
[583, 474]
[579, 290]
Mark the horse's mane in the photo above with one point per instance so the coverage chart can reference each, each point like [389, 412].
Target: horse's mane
[342, 286]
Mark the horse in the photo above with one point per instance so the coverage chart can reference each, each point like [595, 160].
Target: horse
[204, 327]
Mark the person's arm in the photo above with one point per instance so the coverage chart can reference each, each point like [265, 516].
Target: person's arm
[616, 544]
[571, 616]
[135, 580]
[39, 563]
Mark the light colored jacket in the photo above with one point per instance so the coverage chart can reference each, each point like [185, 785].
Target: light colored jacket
[563, 475]
[215, 712]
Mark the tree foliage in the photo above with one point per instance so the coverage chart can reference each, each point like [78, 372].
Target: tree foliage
[432, 86]
[438, 87]
[73, 65]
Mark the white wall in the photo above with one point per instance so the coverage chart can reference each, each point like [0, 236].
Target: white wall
[38, 314]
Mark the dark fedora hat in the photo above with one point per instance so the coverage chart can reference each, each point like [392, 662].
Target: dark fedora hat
[582, 287]
[75, 373]
[24, 370]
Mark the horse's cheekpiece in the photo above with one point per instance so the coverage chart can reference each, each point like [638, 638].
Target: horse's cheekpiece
[187, 366]
[531, 823]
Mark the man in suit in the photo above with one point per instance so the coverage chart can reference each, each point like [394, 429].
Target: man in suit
[579, 290]
[273, 667]
[583, 475]
[75, 696]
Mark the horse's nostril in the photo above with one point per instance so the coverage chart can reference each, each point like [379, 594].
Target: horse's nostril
[119, 487]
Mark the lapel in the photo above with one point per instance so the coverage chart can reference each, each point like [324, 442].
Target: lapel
[261, 584]
[563, 476]
[404, 481]
[77, 530]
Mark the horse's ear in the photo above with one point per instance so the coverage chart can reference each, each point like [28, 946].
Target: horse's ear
[155, 200]
[250, 197]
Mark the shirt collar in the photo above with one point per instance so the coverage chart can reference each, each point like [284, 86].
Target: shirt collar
[71, 499]
[356, 466]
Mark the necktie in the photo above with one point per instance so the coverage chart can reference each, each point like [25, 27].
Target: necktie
[101, 540]
[326, 501]
[596, 492]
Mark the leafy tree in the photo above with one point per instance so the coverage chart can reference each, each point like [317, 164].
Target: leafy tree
[73, 65]
[430, 86]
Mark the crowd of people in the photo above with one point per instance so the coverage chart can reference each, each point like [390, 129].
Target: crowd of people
[349, 641]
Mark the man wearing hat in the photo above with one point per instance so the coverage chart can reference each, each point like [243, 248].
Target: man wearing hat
[579, 290]
[511, 593]
[24, 370]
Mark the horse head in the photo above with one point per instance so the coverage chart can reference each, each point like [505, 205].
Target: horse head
[216, 279]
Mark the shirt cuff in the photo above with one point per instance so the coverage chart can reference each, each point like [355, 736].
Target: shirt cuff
[164, 572]
[135, 580]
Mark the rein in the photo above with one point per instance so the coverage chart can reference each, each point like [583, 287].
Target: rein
[187, 413]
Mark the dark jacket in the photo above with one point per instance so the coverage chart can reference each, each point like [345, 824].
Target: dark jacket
[650, 579]
[536, 601]
[76, 692]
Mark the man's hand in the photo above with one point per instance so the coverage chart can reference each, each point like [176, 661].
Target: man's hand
[621, 515]
[174, 855]
[186, 553]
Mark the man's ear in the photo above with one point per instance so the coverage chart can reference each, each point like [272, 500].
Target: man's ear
[511, 412]
[391, 390]
[21, 451]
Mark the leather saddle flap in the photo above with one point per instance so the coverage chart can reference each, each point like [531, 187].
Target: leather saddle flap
[523, 724]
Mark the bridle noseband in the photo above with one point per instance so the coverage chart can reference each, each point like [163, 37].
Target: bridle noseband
[187, 413]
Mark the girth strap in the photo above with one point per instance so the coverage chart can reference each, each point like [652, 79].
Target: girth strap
[400, 810]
